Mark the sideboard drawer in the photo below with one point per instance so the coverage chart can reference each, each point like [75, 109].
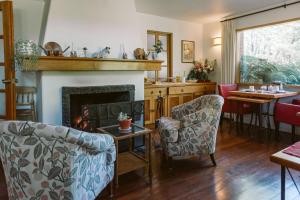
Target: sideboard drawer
[156, 91]
[191, 89]
[178, 90]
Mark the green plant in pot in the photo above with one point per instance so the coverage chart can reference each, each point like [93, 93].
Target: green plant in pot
[124, 121]
[26, 55]
[158, 48]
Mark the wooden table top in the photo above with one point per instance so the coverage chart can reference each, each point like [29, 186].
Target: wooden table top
[250, 100]
[286, 160]
[263, 95]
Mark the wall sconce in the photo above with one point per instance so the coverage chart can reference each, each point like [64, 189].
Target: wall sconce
[217, 41]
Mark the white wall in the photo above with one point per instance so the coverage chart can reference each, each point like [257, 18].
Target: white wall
[282, 14]
[27, 26]
[211, 52]
[94, 25]
[181, 31]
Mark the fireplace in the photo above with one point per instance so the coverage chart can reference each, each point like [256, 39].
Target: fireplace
[74, 98]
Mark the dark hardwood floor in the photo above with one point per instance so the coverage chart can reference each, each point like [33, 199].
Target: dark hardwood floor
[243, 172]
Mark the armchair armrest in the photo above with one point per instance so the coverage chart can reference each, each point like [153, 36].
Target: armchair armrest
[168, 129]
[205, 115]
[94, 143]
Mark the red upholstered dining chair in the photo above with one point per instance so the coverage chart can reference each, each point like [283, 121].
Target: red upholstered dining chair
[233, 107]
[287, 113]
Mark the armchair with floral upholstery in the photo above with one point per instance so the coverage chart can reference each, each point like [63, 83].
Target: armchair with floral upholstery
[192, 130]
[54, 162]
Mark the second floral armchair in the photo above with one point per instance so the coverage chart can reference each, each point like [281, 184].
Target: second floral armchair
[192, 130]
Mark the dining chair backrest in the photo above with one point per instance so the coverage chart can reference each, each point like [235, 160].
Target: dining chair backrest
[224, 89]
[25, 95]
[25, 103]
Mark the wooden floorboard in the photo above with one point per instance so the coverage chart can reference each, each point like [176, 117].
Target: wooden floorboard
[244, 172]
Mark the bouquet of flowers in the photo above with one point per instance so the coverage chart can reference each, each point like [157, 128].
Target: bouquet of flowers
[201, 70]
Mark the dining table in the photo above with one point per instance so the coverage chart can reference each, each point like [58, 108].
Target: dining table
[260, 98]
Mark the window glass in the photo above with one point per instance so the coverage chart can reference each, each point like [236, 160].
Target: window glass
[270, 53]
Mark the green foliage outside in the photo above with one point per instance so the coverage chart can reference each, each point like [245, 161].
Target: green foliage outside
[271, 53]
[256, 70]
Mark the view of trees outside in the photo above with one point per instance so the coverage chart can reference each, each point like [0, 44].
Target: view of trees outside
[271, 53]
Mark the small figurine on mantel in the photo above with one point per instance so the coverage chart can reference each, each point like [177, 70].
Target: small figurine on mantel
[123, 52]
[85, 49]
[104, 53]
[140, 54]
[201, 70]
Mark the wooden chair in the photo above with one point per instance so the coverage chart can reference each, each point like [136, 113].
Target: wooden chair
[25, 106]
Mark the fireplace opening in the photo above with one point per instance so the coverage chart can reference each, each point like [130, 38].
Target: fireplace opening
[78, 100]
[73, 98]
[87, 108]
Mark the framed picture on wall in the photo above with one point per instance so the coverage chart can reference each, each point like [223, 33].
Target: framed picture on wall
[187, 51]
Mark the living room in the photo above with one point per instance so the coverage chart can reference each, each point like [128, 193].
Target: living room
[138, 99]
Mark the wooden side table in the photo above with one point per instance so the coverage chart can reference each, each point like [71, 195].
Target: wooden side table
[130, 161]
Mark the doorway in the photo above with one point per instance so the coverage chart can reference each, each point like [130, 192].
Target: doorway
[166, 39]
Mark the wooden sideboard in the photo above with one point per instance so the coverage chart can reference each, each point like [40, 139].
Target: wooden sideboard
[173, 94]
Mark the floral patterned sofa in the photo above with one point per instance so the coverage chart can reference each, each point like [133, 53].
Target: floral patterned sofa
[53, 162]
[192, 130]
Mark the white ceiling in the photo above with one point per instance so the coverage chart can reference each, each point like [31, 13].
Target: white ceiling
[201, 11]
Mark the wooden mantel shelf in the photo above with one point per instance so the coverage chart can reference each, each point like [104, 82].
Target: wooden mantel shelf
[47, 63]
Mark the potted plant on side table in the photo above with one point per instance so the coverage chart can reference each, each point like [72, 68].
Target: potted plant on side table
[124, 121]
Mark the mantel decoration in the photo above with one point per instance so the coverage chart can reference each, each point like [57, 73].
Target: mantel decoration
[140, 54]
[26, 50]
[53, 49]
[201, 70]
[187, 51]
[158, 47]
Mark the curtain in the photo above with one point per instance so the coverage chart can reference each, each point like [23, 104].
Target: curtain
[229, 52]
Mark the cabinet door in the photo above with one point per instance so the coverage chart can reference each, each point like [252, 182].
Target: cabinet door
[198, 94]
[173, 100]
[186, 98]
[148, 110]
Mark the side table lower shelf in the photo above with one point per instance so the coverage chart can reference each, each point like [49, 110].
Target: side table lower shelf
[128, 161]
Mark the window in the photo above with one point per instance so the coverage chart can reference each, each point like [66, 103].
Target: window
[270, 53]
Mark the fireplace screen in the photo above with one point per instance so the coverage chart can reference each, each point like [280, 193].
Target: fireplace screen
[100, 115]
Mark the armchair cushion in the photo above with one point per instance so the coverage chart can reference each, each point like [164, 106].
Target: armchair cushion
[193, 140]
[54, 162]
[204, 115]
[168, 129]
